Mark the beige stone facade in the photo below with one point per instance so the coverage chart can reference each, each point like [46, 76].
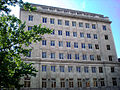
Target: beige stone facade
[79, 54]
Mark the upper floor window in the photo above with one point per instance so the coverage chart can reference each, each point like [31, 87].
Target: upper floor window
[108, 47]
[59, 22]
[66, 23]
[69, 56]
[98, 57]
[74, 34]
[112, 69]
[51, 21]
[80, 24]
[104, 27]
[110, 57]
[93, 69]
[83, 45]
[61, 56]
[61, 68]
[59, 32]
[70, 68]
[68, 44]
[93, 26]
[81, 34]
[75, 44]
[44, 20]
[30, 18]
[76, 56]
[86, 69]
[44, 55]
[53, 68]
[84, 56]
[29, 28]
[106, 37]
[44, 68]
[88, 35]
[91, 57]
[78, 69]
[95, 36]
[67, 33]
[52, 55]
[100, 69]
[73, 23]
[90, 46]
[44, 42]
[96, 46]
[52, 43]
[53, 32]
[60, 43]
[87, 25]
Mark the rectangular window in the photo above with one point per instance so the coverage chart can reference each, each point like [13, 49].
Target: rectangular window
[95, 36]
[68, 44]
[79, 82]
[80, 24]
[44, 83]
[106, 37]
[93, 69]
[87, 25]
[104, 27]
[84, 56]
[110, 58]
[53, 68]
[44, 20]
[91, 57]
[98, 57]
[96, 46]
[52, 55]
[61, 68]
[69, 56]
[53, 32]
[78, 69]
[53, 83]
[76, 56]
[59, 22]
[61, 56]
[95, 84]
[93, 26]
[44, 42]
[70, 68]
[102, 82]
[75, 44]
[51, 21]
[81, 34]
[52, 43]
[100, 69]
[62, 83]
[27, 82]
[74, 34]
[44, 68]
[66, 23]
[29, 28]
[114, 81]
[67, 33]
[60, 43]
[83, 45]
[108, 47]
[71, 83]
[86, 69]
[73, 23]
[44, 55]
[112, 69]
[59, 32]
[30, 18]
[87, 82]
[88, 35]
[90, 46]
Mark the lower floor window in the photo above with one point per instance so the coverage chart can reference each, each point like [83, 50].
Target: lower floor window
[53, 83]
[62, 82]
[102, 82]
[79, 82]
[71, 83]
[44, 83]
[27, 81]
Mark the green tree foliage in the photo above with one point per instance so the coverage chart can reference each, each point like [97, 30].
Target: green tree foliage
[12, 38]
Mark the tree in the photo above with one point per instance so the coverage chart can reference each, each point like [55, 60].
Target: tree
[12, 37]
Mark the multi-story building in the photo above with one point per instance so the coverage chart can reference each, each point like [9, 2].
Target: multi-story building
[78, 54]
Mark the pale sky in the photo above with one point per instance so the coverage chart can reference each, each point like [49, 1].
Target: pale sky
[110, 8]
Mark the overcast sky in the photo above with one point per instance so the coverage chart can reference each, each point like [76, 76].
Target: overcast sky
[110, 8]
